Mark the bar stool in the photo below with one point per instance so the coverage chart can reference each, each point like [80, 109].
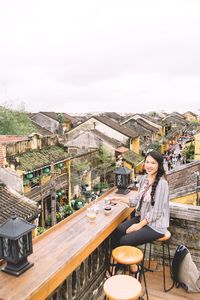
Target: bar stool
[122, 287]
[129, 255]
[164, 241]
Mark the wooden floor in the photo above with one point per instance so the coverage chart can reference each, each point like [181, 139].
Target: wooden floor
[155, 288]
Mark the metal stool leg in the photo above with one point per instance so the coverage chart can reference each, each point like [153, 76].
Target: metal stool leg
[149, 263]
[169, 259]
[142, 271]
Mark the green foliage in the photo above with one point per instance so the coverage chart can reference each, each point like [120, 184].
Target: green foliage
[104, 155]
[40, 230]
[96, 187]
[60, 118]
[34, 159]
[193, 125]
[188, 151]
[104, 185]
[59, 217]
[152, 114]
[48, 221]
[15, 122]
[66, 211]
[154, 146]
[80, 165]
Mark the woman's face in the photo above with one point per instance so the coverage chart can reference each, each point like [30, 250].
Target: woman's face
[151, 165]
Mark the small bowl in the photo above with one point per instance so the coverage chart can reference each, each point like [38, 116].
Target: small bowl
[107, 210]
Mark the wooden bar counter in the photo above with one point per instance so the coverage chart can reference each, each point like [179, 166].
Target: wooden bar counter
[58, 251]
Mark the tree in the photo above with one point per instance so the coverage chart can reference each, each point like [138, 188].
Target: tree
[188, 152]
[103, 162]
[15, 122]
[154, 146]
[153, 114]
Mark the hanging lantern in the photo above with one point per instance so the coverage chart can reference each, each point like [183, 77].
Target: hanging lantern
[63, 192]
[60, 165]
[29, 175]
[46, 170]
[59, 194]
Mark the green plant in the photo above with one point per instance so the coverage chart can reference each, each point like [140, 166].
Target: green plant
[66, 210]
[96, 187]
[59, 217]
[35, 180]
[188, 152]
[26, 182]
[48, 221]
[40, 230]
[154, 146]
[104, 185]
[15, 122]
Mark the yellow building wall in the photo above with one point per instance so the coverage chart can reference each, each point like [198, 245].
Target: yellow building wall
[129, 166]
[163, 131]
[189, 199]
[135, 146]
[139, 168]
[197, 146]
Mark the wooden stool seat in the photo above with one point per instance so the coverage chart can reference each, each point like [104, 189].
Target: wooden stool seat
[122, 287]
[166, 237]
[127, 255]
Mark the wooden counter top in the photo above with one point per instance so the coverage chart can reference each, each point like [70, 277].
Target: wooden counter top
[61, 249]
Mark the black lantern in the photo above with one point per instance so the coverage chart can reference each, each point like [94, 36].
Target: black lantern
[122, 178]
[16, 245]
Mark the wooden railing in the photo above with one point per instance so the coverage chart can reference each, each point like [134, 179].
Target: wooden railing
[85, 282]
[69, 259]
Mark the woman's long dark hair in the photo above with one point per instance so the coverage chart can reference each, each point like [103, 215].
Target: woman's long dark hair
[158, 157]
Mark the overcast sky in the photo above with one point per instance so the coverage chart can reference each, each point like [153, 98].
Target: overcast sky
[105, 55]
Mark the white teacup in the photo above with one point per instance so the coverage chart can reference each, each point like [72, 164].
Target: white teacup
[107, 210]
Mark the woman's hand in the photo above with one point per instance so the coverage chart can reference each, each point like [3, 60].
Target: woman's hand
[137, 226]
[134, 227]
[116, 199]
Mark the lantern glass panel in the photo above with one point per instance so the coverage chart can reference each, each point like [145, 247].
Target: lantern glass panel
[119, 180]
[23, 244]
[7, 248]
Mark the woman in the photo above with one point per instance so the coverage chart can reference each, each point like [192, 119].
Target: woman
[151, 219]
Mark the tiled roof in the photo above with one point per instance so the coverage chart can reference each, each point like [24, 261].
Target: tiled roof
[191, 113]
[120, 128]
[141, 118]
[11, 138]
[111, 115]
[54, 115]
[122, 149]
[146, 125]
[41, 130]
[35, 159]
[11, 201]
[173, 118]
[106, 138]
[132, 157]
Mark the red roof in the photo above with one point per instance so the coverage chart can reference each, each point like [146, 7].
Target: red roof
[122, 149]
[11, 138]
